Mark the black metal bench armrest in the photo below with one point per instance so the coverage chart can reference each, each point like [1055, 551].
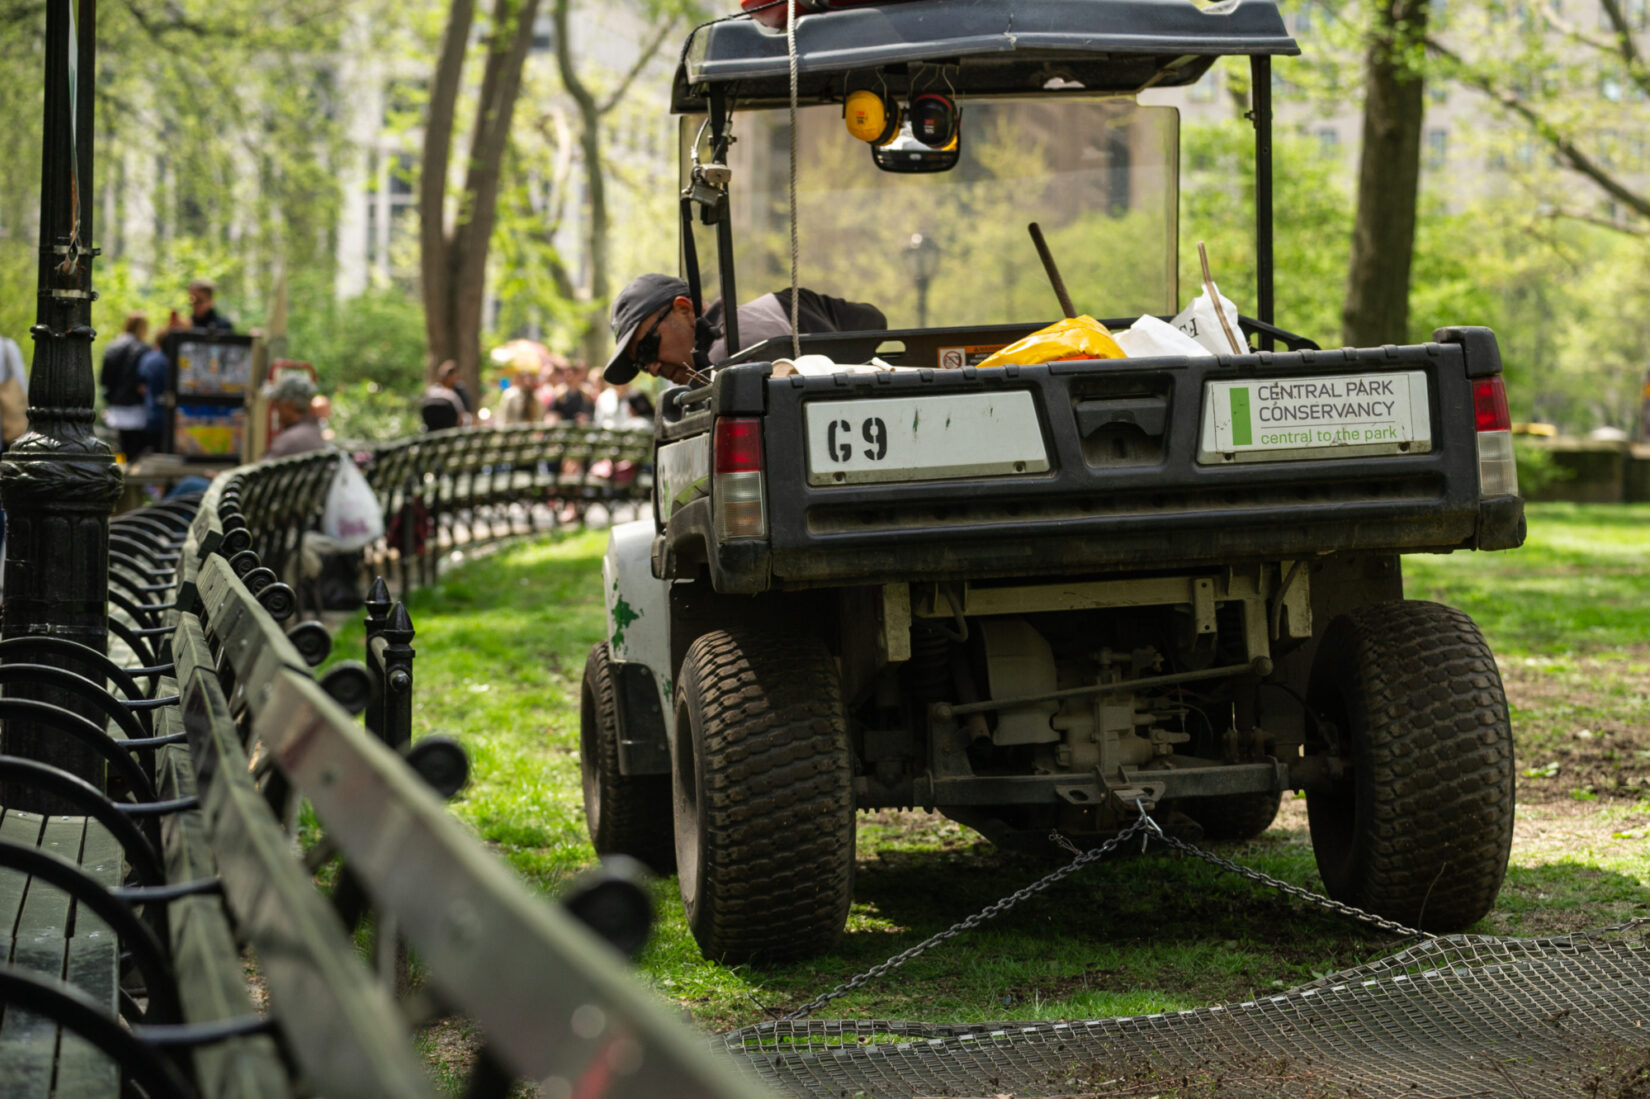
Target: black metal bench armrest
[135, 935]
[140, 852]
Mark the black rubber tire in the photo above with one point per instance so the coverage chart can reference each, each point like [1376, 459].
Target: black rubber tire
[762, 784]
[1229, 818]
[1419, 828]
[625, 814]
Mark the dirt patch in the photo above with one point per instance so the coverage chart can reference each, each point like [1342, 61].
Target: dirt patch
[1582, 725]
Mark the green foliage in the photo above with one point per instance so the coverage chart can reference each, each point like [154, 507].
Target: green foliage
[367, 412]
[377, 336]
[1536, 467]
[1312, 225]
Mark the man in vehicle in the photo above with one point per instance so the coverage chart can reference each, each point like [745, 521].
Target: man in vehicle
[655, 329]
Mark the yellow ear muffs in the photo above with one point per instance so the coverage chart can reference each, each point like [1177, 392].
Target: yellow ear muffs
[871, 116]
[934, 119]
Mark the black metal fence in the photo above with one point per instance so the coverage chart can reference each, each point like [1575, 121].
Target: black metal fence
[450, 489]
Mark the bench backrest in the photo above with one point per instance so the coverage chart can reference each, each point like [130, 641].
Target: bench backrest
[551, 997]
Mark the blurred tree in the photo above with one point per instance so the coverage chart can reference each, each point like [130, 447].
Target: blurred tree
[1580, 91]
[455, 231]
[593, 110]
[1389, 172]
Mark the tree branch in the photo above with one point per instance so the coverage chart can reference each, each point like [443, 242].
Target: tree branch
[1547, 132]
[647, 54]
[1632, 229]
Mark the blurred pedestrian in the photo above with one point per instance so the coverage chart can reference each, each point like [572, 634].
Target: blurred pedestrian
[292, 396]
[573, 403]
[123, 408]
[14, 412]
[446, 404]
[203, 312]
[520, 405]
[154, 372]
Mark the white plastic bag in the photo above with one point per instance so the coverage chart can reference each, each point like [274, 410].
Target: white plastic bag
[352, 517]
[1149, 336]
[1200, 321]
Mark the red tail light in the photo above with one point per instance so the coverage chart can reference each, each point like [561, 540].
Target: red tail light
[737, 489]
[738, 446]
[1489, 404]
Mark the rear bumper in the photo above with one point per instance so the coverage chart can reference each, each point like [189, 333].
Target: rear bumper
[1112, 502]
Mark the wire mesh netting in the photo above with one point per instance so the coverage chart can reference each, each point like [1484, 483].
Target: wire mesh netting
[1453, 1017]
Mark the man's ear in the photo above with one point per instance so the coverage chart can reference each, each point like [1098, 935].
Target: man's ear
[684, 306]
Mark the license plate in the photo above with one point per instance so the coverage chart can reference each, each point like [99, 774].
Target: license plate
[1337, 416]
[924, 438]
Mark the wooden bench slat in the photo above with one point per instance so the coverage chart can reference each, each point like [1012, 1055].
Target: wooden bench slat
[22, 829]
[93, 966]
[211, 980]
[341, 1026]
[492, 947]
[28, 1042]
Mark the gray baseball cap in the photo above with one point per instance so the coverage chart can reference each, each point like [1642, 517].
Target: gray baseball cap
[290, 385]
[646, 295]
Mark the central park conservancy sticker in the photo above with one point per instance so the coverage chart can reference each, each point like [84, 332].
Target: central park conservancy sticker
[1315, 417]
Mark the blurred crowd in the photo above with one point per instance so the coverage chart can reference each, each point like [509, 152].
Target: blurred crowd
[537, 385]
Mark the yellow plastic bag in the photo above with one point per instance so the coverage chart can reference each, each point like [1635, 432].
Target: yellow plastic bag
[1073, 338]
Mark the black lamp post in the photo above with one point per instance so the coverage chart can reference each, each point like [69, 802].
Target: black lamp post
[59, 482]
[922, 256]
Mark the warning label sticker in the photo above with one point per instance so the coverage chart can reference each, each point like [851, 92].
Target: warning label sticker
[955, 358]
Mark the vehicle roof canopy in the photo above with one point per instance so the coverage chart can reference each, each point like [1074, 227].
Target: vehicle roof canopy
[988, 47]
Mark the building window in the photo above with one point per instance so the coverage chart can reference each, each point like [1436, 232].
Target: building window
[1329, 143]
[1437, 148]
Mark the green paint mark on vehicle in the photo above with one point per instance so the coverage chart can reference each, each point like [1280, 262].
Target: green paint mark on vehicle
[916, 418]
[1242, 429]
[623, 616]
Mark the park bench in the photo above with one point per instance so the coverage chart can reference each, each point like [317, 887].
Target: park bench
[468, 486]
[188, 871]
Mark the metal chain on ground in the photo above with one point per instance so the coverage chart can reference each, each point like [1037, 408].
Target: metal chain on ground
[1144, 824]
[1307, 895]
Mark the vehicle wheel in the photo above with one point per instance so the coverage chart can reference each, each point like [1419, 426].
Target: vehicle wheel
[1419, 826]
[762, 785]
[626, 814]
[1228, 818]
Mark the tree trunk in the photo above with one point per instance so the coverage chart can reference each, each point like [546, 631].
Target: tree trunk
[454, 260]
[439, 326]
[1383, 233]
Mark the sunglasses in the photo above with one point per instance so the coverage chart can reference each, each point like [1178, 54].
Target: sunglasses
[647, 348]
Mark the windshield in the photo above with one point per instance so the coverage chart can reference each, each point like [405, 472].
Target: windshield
[952, 248]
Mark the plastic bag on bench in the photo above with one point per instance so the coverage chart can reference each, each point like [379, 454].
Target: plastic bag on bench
[352, 517]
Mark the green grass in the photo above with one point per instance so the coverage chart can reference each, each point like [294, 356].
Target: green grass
[501, 646]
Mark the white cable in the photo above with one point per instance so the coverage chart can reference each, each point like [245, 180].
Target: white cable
[790, 49]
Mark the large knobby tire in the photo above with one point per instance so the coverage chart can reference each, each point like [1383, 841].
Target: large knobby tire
[626, 814]
[1419, 828]
[762, 784]
[1234, 817]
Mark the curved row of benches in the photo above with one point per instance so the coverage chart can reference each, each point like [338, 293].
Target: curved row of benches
[133, 906]
[450, 489]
